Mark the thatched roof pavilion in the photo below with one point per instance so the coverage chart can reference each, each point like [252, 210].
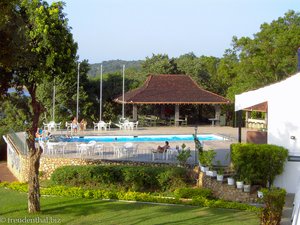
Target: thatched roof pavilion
[170, 89]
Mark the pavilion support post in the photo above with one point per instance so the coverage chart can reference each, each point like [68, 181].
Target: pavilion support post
[176, 118]
[162, 111]
[239, 124]
[217, 114]
[134, 112]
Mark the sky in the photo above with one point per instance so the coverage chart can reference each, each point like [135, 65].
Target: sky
[136, 29]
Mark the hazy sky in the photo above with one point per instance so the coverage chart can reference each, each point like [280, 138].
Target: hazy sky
[134, 29]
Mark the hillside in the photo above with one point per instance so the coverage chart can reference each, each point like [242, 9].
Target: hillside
[113, 66]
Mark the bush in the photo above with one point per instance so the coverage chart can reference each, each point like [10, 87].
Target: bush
[78, 192]
[258, 163]
[206, 158]
[174, 177]
[274, 200]
[193, 192]
[134, 178]
[184, 155]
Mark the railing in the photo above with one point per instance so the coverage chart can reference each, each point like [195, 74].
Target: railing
[113, 153]
[19, 141]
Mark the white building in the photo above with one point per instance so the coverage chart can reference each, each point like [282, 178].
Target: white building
[283, 123]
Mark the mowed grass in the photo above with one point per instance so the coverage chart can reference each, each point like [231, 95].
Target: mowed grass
[66, 210]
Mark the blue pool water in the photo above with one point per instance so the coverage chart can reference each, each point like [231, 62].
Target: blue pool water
[144, 138]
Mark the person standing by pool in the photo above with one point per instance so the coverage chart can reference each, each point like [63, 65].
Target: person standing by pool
[74, 125]
[83, 124]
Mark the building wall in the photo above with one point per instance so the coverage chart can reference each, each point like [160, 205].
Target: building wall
[283, 122]
[290, 178]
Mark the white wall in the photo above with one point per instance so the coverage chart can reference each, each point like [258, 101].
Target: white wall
[289, 179]
[283, 122]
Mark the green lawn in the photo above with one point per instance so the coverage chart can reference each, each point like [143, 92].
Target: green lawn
[64, 210]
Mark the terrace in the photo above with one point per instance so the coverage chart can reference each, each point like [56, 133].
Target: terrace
[69, 153]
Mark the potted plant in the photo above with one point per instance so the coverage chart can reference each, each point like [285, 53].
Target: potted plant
[203, 161]
[230, 181]
[247, 184]
[207, 158]
[220, 172]
[260, 194]
[239, 182]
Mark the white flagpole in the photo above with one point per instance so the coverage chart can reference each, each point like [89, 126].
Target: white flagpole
[53, 102]
[77, 105]
[100, 115]
[123, 106]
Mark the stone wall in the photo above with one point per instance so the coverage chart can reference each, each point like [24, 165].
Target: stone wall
[227, 192]
[49, 164]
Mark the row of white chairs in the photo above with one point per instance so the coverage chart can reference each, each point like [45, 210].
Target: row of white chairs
[101, 125]
[91, 148]
[52, 125]
[127, 125]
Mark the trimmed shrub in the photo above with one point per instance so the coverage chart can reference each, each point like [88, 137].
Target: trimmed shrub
[134, 178]
[258, 163]
[274, 200]
[193, 192]
[78, 192]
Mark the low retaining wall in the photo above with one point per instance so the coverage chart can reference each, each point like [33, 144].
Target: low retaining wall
[49, 164]
[227, 192]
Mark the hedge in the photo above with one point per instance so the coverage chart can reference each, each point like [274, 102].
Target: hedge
[133, 178]
[193, 193]
[130, 196]
[258, 163]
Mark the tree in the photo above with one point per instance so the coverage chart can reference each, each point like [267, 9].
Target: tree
[270, 56]
[159, 64]
[47, 51]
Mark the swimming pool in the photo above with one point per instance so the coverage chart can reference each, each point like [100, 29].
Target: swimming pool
[143, 138]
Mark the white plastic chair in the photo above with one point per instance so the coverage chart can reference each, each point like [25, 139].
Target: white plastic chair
[99, 149]
[135, 124]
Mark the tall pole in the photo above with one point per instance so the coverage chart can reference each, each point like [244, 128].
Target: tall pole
[123, 106]
[53, 102]
[100, 114]
[77, 105]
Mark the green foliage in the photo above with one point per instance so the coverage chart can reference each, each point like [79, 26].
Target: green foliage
[268, 57]
[193, 193]
[274, 200]
[183, 155]
[135, 178]
[159, 64]
[112, 66]
[258, 163]
[206, 157]
[200, 197]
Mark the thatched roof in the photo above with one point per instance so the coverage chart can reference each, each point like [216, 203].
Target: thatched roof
[171, 89]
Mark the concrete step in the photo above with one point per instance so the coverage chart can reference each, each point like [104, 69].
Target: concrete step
[287, 210]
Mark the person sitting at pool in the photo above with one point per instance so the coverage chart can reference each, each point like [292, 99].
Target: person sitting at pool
[162, 149]
[74, 125]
